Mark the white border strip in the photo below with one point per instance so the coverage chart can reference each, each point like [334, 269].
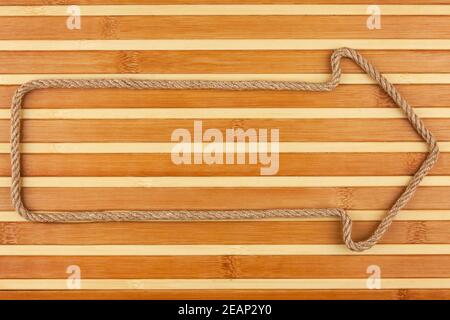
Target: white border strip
[225, 44]
[221, 10]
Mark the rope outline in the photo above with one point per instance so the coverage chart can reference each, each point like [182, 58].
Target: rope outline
[190, 215]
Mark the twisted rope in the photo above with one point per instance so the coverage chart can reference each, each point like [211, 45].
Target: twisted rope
[86, 216]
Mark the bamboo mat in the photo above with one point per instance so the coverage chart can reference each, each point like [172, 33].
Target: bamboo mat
[110, 149]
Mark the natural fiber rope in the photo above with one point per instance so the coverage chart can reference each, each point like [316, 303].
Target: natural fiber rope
[86, 216]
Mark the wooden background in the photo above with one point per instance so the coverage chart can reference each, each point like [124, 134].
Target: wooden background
[349, 148]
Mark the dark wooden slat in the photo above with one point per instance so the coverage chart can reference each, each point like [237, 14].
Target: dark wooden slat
[224, 27]
[160, 130]
[225, 267]
[397, 294]
[291, 164]
[233, 61]
[304, 232]
[346, 96]
[224, 198]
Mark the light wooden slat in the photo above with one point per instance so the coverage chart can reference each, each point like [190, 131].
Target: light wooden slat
[227, 113]
[160, 130]
[223, 182]
[237, 61]
[406, 215]
[395, 78]
[223, 44]
[172, 2]
[222, 267]
[291, 164]
[285, 147]
[195, 250]
[343, 294]
[261, 284]
[356, 215]
[223, 10]
[224, 27]
[345, 96]
[11, 216]
[218, 233]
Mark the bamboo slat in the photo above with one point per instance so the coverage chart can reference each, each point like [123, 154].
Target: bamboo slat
[160, 130]
[223, 267]
[355, 198]
[344, 294]
[224, 27]
[196, 250]
[205, 284]
[223, 44]
[237, 61]
[223, 10]
[292, 164]
[424, 95]
[218, 233]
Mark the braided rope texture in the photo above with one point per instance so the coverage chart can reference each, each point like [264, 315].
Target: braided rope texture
[191, 215]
